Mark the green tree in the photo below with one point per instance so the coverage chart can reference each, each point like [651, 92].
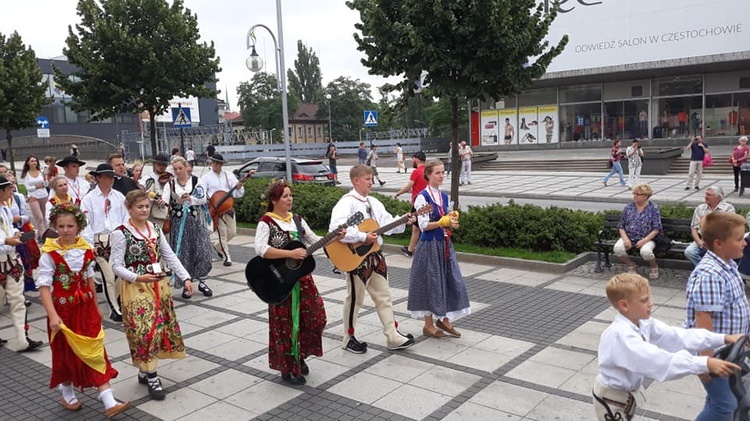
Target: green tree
[349, 99]
[260, 103]
[305, 80]
[467, 49]
[22, 93]
[134, 56]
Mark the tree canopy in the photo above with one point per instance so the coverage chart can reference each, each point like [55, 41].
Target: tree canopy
[461, 49]
[260, 103]
[305, 81]
[349, 99]
[22, 93]
[134, 56]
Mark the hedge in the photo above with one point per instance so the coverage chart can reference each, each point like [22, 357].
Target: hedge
[513, 225]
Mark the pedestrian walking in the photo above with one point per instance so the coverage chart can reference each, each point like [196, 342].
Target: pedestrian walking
[362, 153]
[739, 157]
[635, 163]
[399, 151]
[372, 162]
[616, 166]
[466, 155]
[698, 150]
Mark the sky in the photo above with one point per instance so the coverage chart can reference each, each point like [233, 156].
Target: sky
[324, 25]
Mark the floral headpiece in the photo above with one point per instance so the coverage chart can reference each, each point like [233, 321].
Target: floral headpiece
[68, 208]
[265, 196]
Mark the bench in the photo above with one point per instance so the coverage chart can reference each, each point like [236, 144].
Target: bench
[678, 229]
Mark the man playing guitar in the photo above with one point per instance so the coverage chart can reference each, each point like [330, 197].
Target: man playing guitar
[219, 180]
[155, 183]
[371, 275]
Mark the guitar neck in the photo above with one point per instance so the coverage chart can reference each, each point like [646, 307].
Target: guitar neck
[392, 225]
[323, 241]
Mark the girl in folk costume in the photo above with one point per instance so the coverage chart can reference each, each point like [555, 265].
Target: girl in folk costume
[147, 308]
[59, 194]
[66, 287]
[188, 232]
[28, 251]
[293, 336]
[436, 287]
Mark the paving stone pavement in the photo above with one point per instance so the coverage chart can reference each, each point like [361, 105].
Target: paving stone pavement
[528, 352]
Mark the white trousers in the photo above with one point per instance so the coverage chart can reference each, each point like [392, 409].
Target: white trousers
[696, 170]
[380, 293]
[466, 171]
[634, 174]
[225, 231]
[13, 294]
[647, 251]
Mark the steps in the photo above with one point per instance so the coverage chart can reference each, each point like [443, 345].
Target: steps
[598, 165]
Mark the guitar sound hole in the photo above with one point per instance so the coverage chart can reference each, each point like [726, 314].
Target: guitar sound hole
[293, 264]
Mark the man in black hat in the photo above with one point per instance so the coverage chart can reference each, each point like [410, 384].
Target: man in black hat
[11, 271]
[105, 210]
[155, 183]
[123, 183]
[77, 186]
[224, 181]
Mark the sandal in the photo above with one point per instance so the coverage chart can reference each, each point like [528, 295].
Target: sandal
[433, 333]
[450, 330]
[653, 273]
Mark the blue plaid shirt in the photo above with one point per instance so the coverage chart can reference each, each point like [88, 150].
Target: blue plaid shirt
[715, 286]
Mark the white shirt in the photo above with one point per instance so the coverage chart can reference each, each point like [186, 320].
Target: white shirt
[30, 182]
[119, 246]
[74, 259]
[6, 230]
[197, 197]
[17, 210]
[263, 232]
[465, 153]
[373, 157]
[420, 201]
[352, 203]
[103, 218]
[399, 153]
[190, 155]
[222, 181]
[77, 188]
[629, 353]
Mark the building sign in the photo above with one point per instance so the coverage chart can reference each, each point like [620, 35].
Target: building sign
[606, 33]
[190, 103]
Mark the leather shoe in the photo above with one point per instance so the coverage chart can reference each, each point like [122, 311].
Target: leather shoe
[32, 345]
[115, 317]
[304, 369]
[295, 380]
[451, 330]
[227, 263]
[356, 346]
[120, 407]
[433, 334]
[202, 287]
[409, 342]
[71, 406]
[185, 294]
[155, 390]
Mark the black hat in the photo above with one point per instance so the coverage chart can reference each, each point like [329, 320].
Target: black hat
[217, 158]
[103, 169]
[4, 182]
[419, 155]
[161, 158]
[70, 159]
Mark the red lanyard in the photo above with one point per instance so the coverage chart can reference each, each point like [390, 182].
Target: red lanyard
[440, 203]
[150, 243]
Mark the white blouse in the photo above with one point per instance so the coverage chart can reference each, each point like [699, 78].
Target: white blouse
[198, 197]
[420, 201]
[74, 259]
[30, 182]
[263, 233]
[119, 246]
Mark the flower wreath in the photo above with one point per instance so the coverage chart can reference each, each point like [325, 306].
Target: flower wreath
[264, 197]
[68, 208]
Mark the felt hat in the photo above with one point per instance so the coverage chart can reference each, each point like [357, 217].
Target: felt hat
[70, 159]
[103, 169]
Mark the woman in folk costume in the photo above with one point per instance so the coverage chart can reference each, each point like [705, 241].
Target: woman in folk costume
[147, 308]
[436, 287]
[293, 336]
[189, 235]
[28, 251]
[66, 287]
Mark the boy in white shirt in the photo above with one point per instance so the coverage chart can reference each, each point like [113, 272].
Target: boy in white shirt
[636, 346]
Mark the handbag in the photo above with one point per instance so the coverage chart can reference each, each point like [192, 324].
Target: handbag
[707, 161]
[663, 243]
[609, 164]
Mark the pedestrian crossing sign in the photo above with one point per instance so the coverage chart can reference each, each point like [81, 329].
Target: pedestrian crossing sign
[371, 118]
[181, 117]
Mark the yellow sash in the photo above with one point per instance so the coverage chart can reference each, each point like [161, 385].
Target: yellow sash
[89, 350]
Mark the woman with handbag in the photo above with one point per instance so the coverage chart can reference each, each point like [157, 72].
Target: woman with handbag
[639, 225]
[739, 157]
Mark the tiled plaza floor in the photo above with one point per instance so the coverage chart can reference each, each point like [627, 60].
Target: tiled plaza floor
[528, 352]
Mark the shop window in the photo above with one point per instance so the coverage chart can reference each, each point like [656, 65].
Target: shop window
[535, 97]
[679, 117]
[580, 93]
[626, 120]
[580, 122]
[727, 114]
[681, 85]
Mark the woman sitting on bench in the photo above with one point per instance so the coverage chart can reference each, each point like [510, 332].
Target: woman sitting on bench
[639, 224]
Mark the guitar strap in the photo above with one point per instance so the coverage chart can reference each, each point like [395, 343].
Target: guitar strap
[298, 223]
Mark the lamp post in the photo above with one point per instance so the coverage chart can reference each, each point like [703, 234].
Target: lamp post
[254, 63]
[360, 134]
[330, 134]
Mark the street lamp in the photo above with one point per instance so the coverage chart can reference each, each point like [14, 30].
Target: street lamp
[330, 134]
[254, 63]
[360, 134]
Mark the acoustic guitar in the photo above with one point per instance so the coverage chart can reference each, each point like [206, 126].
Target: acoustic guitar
[272, 280]
[221, 202]
[348, 256]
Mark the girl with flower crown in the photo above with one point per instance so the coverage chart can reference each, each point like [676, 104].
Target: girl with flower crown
[74, 324]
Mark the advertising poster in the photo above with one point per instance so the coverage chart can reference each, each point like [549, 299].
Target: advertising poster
[528, 126]
[509, 126]
[489, 128]
[549, 127]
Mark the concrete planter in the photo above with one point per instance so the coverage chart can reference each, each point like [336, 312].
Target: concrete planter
[656, 160]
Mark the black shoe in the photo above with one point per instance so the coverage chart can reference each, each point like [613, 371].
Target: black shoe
[114, 316]
[382, 183]
[202, 287]
[295, 380]
[27, 303]
[155, 390]
[697, 188]
[304, 369]
[356, 346]
[32, 345]
[142, 379]
[406, 252]
[185, 294]
[218, 251]
[687, 188]
[227, 263]
[409, 342]
[99, 288]
[3, 341]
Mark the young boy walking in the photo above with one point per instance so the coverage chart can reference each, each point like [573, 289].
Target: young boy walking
[636, 346]
[716, 300]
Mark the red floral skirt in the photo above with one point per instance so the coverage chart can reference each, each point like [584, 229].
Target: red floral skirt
[312, 321]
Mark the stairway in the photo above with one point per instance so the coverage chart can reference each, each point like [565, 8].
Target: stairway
[721, 166]
[598, 165]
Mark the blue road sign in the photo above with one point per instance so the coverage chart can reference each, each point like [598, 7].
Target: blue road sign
[371, 118]
[42, 122]
[181, 117]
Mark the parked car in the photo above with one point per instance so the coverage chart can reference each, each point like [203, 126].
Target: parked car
[303, 170]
